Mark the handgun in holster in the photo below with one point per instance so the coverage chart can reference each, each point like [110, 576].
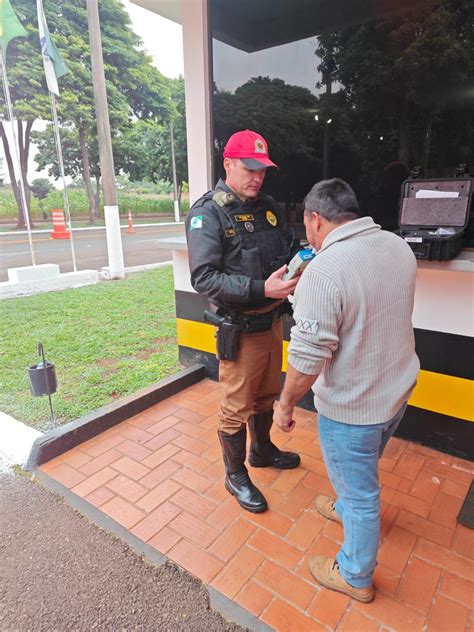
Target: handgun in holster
[227, 335]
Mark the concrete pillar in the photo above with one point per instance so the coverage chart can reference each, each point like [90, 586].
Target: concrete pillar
[194, 16]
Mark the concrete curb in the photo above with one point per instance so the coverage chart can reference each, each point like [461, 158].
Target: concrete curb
[16, 439]
[230, 610]
[67, 281]
[66, 437]
[147, 266]
[64, 281]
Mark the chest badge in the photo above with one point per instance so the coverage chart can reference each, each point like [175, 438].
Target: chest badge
[271, 218]
[243, 218]
[249, 227]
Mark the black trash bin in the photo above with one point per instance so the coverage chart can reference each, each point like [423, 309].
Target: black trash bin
[42, 379]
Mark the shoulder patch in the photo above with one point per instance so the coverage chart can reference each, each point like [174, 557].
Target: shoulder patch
[223, 198]
[196, 222]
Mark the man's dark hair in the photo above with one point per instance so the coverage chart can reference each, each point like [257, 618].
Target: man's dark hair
[334, 200]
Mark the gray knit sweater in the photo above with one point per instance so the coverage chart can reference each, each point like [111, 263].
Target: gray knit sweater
[353, 309]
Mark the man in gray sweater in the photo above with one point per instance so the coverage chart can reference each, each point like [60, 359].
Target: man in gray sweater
[353, 344]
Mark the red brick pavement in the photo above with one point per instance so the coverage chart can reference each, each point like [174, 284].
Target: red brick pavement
[160, 475]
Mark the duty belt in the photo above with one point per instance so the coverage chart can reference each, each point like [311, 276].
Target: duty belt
[257, 323]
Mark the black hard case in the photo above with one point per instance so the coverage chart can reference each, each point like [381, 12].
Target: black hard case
[419, 218]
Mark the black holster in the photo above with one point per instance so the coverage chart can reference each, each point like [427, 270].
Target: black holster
[227, 335]
[227, 338]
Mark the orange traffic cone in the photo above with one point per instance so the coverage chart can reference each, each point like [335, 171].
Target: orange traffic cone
[59, 225]
[130, 229]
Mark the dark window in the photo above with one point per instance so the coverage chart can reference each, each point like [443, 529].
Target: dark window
[363, 90]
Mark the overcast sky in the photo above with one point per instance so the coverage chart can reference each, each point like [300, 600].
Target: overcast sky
[162, 39]
[294, 62]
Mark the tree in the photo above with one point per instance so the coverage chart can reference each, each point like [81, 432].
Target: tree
[284, 115]
[40, 187]
[405, 82]
[79, 161]
[135, 88]
[145, 146]
[179, 133]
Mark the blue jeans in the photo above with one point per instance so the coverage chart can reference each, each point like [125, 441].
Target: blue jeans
[351, 454]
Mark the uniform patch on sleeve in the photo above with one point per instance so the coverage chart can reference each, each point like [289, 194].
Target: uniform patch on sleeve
[307, 326]
[196, 222]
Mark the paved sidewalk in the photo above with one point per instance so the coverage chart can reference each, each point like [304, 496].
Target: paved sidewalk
[60, 572]
[160, 476]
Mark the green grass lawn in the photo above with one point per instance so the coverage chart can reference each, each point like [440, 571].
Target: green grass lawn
[106, 340]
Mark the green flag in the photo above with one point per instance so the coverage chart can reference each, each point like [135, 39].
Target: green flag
[10, 25]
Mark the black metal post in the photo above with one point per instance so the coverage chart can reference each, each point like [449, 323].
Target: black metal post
[41, 353]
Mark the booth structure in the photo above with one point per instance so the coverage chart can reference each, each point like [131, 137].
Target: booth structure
[441, 410]
[291, 70]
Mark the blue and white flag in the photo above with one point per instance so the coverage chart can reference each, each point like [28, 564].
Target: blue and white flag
[54, 66]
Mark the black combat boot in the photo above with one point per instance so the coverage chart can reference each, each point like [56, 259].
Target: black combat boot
[264, 453]
[237, 480]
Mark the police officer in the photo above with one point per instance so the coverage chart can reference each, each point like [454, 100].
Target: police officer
[239, 244]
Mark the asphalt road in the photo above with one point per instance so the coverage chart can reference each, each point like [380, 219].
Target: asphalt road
[61, 572]
[90, 247]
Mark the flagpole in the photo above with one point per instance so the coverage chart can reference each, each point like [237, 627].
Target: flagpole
[63, 177]
[6, 90]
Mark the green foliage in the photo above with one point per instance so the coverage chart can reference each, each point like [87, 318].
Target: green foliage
[47, 156]
[288, 126]
[130, 343]
[398, 89]
[145, 147]
[40, 187]
[8, 206]
[162, 187]
[405, 81]
[149, 203]
[141, 204]
[135, 88]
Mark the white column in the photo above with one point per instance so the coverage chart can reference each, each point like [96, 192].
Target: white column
[198, 94]
[116, 268]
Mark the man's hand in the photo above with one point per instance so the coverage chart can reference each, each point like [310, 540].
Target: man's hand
[275, 287]
[283, 417]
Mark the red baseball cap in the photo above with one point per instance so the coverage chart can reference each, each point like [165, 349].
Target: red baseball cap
[251, 148]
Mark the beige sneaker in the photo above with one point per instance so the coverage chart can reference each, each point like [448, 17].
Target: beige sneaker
[325, 570]
[325, 506]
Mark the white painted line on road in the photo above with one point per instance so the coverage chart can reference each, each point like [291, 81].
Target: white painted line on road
[65, 242]
[76, 230]
[10, 254]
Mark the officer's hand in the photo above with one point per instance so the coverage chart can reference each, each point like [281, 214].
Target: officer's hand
[275, 287]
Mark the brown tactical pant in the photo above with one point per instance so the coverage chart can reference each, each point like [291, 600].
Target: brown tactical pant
[252, 383]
